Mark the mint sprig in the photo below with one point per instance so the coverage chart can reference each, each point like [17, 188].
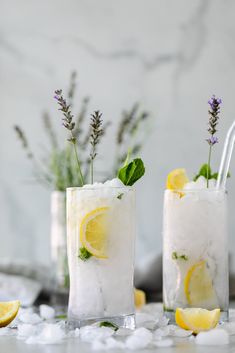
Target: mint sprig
[133, 171]
[206, 172]
[84, 254]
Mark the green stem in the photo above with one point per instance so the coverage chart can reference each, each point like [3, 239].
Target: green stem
[77, 159]
[208, 166]
[92, 171]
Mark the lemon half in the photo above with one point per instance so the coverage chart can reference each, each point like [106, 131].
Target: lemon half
[196, 319]
[8, 311]
[94, 232]
[140, 298]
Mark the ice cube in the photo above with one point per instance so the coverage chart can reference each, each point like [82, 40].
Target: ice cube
[179, 332]
[122, 331]
[141, 338]
[116, 182]
[216, 337]
[46, 311]
[5, 331]
[75, 333]
[164, 343]
[212, 183]
[162, 321]
[93, 333]
[98, 346]
[162, 332]
[30, 318]
[229, 327]
[111, 343]
[26, 330]
[50, 334]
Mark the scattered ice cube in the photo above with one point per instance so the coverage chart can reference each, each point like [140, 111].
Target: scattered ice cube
[26, 330]
[162, 332]
[179, 332]
[141, 338]
[164, 343]
[109, 343]
[50, 334]
[162, 321]
[75, 333]
[30, 318]
[5, 331]
[122, 331]
[229, 327]
[215, 337]
[93, 333]
[98, 346]
[113, 343]
[46, 311]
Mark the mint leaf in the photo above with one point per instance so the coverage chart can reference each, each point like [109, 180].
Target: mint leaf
[84, 254]
[130, 173]
[175, 256]
[109, 324]
[203, 172]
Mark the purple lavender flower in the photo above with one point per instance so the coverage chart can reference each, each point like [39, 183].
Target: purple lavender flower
[213, 121]
[213, 115]
[212, 140]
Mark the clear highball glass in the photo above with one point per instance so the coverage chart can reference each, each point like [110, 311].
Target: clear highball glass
[195, 250]
[102, 288]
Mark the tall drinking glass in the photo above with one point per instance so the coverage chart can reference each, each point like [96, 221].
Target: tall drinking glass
[101, 223]
[195, 250]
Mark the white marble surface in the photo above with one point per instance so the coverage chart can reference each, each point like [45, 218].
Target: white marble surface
[170, 55]
[11, 344]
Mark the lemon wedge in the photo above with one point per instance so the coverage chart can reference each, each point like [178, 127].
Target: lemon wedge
[196, 319]
[140, 298]
[198, 287]
[177, 179]
[94, 232]
[8, 311]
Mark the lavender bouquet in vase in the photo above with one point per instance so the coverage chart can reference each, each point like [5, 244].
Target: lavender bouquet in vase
[58, 169]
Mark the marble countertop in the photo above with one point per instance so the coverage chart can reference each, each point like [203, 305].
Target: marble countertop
[14, 345]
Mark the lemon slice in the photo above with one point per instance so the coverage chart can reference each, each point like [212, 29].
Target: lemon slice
[94, 232]
[8, 311]
[177, 179]
[196, 319]
[198, 287]
[140, 298]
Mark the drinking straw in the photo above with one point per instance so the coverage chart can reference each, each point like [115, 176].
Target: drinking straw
[226, 157]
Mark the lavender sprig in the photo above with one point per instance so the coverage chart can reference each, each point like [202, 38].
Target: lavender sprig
[213, 121]
[95, 134]
[69, 124]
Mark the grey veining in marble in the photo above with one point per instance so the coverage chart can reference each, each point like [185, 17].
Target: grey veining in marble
[169, 55]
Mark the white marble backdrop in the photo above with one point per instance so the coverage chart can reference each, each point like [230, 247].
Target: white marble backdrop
[169, 55]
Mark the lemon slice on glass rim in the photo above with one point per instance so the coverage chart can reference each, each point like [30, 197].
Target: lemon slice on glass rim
[94, 232]
[177, 179]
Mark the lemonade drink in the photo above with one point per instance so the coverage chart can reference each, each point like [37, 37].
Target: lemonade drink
[195, 251]
[101, 240]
